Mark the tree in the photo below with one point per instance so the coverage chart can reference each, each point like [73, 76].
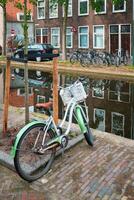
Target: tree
[3, 4]
[24, 8]
[64, 4]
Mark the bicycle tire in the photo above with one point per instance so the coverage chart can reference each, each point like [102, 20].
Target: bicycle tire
[85, 62]
[73, 59]
[89, 136]
[31, 165]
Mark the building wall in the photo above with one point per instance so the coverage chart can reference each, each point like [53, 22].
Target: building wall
[89, 20]
[15, 24]
[12, 10]
[19, 101]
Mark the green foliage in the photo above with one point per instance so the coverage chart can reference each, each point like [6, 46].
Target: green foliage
[19, 5]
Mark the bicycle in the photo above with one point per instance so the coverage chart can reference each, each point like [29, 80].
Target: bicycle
[36, 144]
[121, 57]
[76, 57]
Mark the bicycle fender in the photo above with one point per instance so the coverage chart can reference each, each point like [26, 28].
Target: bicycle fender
[19, 135]
[80, 119]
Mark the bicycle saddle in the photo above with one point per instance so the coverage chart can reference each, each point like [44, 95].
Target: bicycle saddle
[46, 105]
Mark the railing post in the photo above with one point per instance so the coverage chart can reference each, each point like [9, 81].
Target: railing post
[6, 96]
[55, 87]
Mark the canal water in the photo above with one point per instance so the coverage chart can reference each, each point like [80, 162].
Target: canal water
[110, 102]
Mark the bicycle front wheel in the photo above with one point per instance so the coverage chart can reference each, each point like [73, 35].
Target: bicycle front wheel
[89, 136]
[29, 163]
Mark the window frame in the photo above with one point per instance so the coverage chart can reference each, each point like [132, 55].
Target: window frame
[71, 38]
[41, 30]
[69, 15]
[83, 34]
[102, 12]
[40, 96]
[104, 127]
[50, 16]
[41, 7]
[19, 92]
[58, 37]
[94, 47]
[118, 11]
[119, 114]
[87, 13]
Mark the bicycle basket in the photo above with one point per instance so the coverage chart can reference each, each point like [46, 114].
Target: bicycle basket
[65, 95]
[78, 92]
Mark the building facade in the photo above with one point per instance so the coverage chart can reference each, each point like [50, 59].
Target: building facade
[108, 29]
[15, 19]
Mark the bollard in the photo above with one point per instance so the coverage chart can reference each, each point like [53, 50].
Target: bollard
[6, 96]
[55, 87]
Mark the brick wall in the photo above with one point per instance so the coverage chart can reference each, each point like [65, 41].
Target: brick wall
[19, 101]
[90, 20]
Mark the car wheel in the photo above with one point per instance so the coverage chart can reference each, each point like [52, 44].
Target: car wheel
[38, 59]
[17, 55]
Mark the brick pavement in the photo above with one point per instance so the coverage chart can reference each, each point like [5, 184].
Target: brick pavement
[104, 172]
[14, 188]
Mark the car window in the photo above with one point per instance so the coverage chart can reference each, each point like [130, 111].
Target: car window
[48, 46]
[35, 46]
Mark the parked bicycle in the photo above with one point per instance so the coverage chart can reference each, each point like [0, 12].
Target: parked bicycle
[101, 58]
[76, 56]
[36, 144]
[121, 57]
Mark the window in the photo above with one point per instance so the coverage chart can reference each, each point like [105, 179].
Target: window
[20, 17]
[99, 119]
[118, 123]
[119, 7]
[53, 9]
[21, 91]
[41, 9]
[41, 99]
[119, 91]
[98, 38]
[69, 38]
[83, 37]
[102, 7]
[98, 90]
[41, 35]
[69, 9]
[55, 37]
[120, 38]
[83, 7]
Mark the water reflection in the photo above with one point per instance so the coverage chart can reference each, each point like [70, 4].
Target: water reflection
[110, 102]
[111, 106]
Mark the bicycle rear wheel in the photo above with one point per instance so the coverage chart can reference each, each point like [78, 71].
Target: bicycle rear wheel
[29, 163]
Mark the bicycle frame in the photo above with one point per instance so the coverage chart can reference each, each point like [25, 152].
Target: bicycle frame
[73, 108]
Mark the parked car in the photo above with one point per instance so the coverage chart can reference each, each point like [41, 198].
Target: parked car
[36, 52]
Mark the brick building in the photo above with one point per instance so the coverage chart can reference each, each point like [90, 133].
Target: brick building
[109, 29]
[15, 18]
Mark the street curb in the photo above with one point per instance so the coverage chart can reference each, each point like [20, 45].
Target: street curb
[7, 160]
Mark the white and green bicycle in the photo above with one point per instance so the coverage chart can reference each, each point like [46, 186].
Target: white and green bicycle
[36, 144]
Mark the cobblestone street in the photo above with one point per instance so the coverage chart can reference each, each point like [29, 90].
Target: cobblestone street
[104, 172]
[13, 188]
